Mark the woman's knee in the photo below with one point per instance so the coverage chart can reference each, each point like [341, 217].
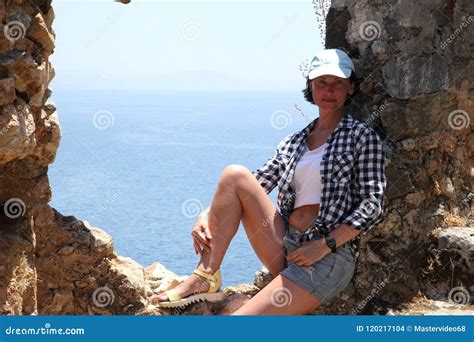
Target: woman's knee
[234, 174]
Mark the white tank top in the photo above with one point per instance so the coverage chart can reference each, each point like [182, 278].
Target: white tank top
[307, 178]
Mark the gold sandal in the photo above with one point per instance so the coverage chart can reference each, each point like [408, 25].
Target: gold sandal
[212, 295]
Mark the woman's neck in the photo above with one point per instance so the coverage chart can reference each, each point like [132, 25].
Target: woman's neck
[328, 120]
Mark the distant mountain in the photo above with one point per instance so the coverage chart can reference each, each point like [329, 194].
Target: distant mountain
[205, 80]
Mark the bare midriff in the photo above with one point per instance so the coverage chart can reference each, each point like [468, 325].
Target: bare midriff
[303, 217]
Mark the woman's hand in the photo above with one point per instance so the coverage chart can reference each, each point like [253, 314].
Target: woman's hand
[201, 234]
[309, 252]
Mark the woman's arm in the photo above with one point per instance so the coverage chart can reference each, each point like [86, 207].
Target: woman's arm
[269, 174]
[370, 181]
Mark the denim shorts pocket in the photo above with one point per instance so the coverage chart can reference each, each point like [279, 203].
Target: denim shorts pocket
[347, 271]
[322, 268]
[345, 252]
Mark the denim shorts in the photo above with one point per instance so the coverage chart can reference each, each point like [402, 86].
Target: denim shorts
[325, 278]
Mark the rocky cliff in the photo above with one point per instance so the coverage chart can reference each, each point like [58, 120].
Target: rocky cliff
[416, 62]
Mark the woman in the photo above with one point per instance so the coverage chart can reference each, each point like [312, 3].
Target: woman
[331, 182]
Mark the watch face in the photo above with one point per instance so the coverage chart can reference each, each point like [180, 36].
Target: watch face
[331, 242]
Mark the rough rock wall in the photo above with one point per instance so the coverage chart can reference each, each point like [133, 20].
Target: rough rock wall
[416, 62]
[49, 264]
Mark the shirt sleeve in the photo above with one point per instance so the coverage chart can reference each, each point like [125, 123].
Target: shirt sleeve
[270, 172]
[371, 182]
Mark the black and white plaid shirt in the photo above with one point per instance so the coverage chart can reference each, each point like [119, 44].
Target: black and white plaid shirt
[352, 178]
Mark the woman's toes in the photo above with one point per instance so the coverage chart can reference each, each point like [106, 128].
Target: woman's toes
[162, 297]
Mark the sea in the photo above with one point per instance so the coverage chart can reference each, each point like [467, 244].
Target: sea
[142, 164]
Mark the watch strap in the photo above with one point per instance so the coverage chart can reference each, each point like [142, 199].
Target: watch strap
[331, 243]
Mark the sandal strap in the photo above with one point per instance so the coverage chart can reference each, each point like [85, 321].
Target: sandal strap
[173, 295]
[204, 274]
[215, 279]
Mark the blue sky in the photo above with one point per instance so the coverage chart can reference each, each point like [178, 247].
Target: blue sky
[178, 45]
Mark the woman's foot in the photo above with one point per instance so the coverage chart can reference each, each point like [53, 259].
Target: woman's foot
[192, 285]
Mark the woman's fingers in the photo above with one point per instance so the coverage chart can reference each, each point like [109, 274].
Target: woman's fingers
[292, 256]
[297, 258]
[197, 248]
[207, 232]
[300, 260]
[201, 237]
[207, 239]
[201, 240]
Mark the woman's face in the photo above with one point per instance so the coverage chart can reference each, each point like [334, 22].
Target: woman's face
[330, 92]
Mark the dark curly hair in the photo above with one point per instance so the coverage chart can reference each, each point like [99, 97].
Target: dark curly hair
[308, 94]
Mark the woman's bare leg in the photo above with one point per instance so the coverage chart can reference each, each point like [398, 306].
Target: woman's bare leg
[280, 297]
[239, 196]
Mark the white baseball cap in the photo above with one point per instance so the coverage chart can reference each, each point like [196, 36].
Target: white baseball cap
[331, 62]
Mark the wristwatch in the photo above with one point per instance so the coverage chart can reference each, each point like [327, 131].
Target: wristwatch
[330, 242]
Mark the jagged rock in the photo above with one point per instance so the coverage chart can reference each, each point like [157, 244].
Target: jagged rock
[451, 262]
[426, 307]
[77, 262]
[30, 77]
[401, 75]
[49, 134]
[460, 240]
[101, 240]
[17, 129]
[132, 272]
[230, 304]
[160, 279]
[40, 33]
[66, 250]
[262, 277]
[245, 289]
[7, 91]
[62, 302]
